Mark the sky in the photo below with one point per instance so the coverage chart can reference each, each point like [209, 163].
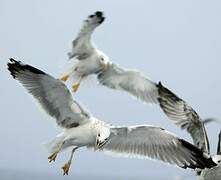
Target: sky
[176, 42]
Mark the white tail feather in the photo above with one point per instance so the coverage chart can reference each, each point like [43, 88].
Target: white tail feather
[54, 144]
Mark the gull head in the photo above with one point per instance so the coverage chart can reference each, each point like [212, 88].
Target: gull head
[102, 138]
[217, 158]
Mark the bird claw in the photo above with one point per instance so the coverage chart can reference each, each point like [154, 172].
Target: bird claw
[75, 87]
[64, 78]
[66, 168]
[52, 157]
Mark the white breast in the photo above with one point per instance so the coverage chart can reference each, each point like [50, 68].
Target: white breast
[88, 65]
[83, 135]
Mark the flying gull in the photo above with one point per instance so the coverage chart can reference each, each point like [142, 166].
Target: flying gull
[81, 129]
[88, 59]
[131, 81]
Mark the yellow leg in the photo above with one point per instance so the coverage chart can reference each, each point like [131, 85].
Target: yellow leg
[66, 168]
[76, 86]
[65, 77]
[53, 156]
[67, 165]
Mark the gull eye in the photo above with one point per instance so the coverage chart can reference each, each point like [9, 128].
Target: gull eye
[102, 59]
[99, 135]
[105, 139]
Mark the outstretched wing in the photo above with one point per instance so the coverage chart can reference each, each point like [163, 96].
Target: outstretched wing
[82, 47]
[51, 93]
[156, 143]
[184, 116]
[130, 81]
[148, 91]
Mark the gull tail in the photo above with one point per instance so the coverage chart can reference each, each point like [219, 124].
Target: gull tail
[54, 144]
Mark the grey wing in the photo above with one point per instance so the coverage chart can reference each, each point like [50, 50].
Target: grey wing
[148, 91]
[156, 143]
[184, 116]
[82, 46]
[130, 81]
[219, 145]
[51, 93]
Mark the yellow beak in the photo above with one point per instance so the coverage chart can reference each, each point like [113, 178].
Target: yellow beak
[104, 66]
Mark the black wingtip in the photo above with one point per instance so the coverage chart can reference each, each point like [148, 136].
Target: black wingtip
[12, 60]
[202, 161]
[99, 13]
[15, 67]
[12, 64]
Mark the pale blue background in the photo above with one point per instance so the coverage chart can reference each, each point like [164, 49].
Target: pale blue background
[177, 42]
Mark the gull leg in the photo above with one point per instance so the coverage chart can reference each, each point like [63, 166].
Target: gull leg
[53, 156]
[65, 77]
[67, 165]
[77, 85]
